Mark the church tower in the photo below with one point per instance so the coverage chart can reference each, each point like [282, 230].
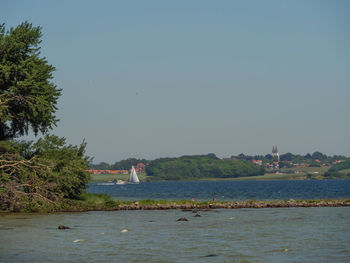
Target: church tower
[275, 152]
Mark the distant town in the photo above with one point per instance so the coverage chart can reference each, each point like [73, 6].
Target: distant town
[274, 162]
[139, 168]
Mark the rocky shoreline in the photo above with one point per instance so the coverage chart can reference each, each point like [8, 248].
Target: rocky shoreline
[196, 206]
[110, 204]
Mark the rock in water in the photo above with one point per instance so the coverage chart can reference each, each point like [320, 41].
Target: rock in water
[197, 215]
[61, 227]
[182, 219]
[78, 240]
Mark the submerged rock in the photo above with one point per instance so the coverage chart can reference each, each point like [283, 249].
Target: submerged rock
[62, 227]
[197, 215]
[210, 256]
[182, 219]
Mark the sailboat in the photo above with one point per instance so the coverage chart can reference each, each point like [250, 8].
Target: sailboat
[133, 176]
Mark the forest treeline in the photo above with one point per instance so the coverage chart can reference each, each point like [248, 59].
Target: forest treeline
[200, 166]
[119, 165]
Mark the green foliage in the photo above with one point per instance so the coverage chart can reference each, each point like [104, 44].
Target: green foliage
[200, 166]
[340, 166]
[33, 176]
[340, 171]
[68, 164]
[103, 200]
[101, 166]
[27, 96]
[41, 173]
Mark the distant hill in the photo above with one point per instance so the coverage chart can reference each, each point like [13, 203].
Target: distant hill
[200, 166]
[339, 170]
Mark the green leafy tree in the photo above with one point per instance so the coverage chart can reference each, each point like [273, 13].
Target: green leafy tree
[33, 175]
[41, 173]
[28, 98]
[319, 156]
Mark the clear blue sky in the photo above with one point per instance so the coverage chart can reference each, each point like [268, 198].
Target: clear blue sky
[151, 79]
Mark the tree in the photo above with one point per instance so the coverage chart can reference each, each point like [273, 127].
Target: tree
[100, 166]
[286, 157]
[269, 156]
[319, 156]
[307, 156]
[40, 173]
[46, 173]
[28, 98]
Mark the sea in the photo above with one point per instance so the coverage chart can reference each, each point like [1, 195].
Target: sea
[316, 234]
[227, 190]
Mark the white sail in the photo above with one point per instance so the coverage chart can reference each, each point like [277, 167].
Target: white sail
[133, 176]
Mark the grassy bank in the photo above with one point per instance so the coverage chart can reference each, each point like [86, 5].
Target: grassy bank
[103, 202]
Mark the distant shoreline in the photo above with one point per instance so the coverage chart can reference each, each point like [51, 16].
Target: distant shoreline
[144, 178]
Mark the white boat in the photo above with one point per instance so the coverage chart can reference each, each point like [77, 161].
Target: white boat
[133, 176]
[120, 182]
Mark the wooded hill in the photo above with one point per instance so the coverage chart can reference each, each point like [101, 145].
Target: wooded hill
[200, 166]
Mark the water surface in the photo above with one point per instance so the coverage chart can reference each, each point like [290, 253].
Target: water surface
[229, 190]
[242, 235]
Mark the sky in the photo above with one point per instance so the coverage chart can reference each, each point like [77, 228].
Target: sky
[150, 79]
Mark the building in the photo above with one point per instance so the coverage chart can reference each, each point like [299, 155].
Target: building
[275, 153]
[257, 162]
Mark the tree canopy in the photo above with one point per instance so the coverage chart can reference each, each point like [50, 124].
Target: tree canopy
[28, 98]
[33, 174]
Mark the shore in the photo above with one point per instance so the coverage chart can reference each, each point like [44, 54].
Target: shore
[106, 203]
[103, 202]
[295, 176]
[232, 205]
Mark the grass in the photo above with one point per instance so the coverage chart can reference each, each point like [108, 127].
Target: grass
[346, 171]
[304, 170]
